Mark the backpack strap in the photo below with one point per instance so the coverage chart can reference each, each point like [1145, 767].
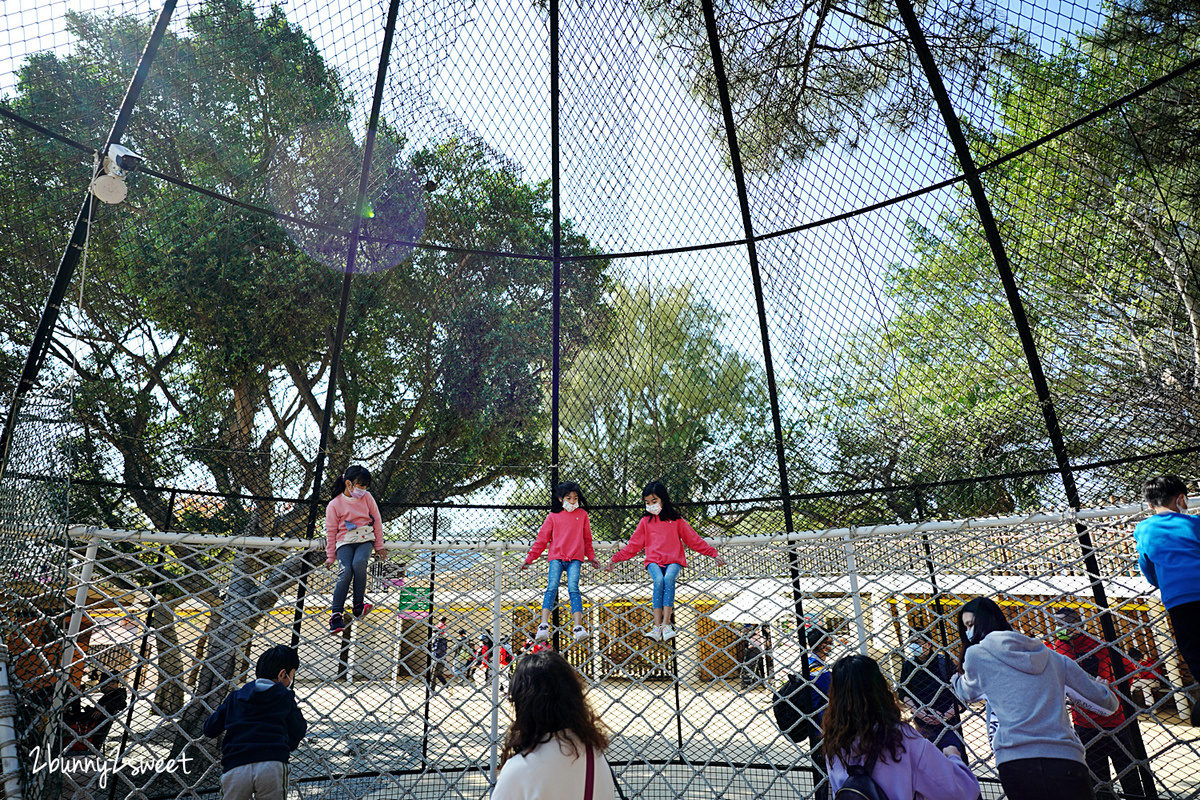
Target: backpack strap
[590, 776]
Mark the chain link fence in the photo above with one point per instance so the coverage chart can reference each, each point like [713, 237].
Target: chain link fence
[878, 270]
[170, 623]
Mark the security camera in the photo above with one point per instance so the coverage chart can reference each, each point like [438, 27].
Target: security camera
[121, 160]
[109, 186]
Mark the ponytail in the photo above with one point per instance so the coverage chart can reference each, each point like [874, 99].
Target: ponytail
[355, 474]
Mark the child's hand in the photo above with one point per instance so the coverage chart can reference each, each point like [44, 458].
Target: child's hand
[524, 566]
[720, 561]
[595, 564]
[609, 566]
[381, 555]
[328, 563]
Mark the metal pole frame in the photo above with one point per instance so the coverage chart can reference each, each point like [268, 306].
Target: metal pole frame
[339, 336]
[556, 231]
[40, 347]
[1037, 374]
[735, 160]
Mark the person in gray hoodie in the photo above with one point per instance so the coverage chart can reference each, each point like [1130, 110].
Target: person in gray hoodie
[1025, 684]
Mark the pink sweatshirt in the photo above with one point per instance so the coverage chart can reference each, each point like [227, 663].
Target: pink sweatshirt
[569, 534]
[664, 542]
[362, 511]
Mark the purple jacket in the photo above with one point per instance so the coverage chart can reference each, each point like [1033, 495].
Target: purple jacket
[923, 772]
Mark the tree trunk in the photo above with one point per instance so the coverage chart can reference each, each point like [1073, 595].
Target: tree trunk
[168, 698]
[252, 592]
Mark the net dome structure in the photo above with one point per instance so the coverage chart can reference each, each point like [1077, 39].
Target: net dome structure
[900, 300]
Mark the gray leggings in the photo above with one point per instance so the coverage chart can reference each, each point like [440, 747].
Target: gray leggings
[353, 559]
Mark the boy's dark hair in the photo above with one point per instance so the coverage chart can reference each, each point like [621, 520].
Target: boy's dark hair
[1162, 489]
[561, 491]
[658, 489]
[356, 474]
[280, 657]
[815, 637]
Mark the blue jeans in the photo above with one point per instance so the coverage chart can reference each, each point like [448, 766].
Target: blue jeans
[353, 560]
[555, 578]
[664, 583]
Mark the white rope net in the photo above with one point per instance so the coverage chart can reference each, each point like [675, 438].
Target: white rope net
[162, 626]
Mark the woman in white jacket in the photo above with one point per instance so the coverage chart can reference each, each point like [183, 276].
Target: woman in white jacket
[554, 749]
[1025, 684]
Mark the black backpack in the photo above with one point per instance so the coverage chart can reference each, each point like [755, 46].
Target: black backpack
[860, 785]
[793, 707]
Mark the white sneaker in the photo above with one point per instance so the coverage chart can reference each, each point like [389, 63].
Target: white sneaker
[655, 633]
[580, 633]
[543, 633]
[667, 632]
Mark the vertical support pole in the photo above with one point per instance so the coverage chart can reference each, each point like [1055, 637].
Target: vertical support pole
[10, 760]
[556, 230]
[735, 160]
[70, 644]
[497, 610]
[855, 593]
[432, 677]
[1036, 373]
[937, 594]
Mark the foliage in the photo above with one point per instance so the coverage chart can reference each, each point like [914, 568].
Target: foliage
[665, 397]
[1099, 224]
[207, 330]
[804, 74]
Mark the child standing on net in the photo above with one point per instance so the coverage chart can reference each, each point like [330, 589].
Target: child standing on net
[568, 532]
[352, 530]
[664, 535]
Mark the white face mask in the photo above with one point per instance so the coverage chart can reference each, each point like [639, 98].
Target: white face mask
[569, 506]
[915, 650]
[970, 633]
[655, 509]
[357, 493]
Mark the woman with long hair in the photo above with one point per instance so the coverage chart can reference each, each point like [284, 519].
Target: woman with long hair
[556, 743]
[1025, 685]
[862, 726]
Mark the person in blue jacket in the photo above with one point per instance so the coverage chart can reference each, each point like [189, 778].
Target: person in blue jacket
[262, 726]
[1168, 545]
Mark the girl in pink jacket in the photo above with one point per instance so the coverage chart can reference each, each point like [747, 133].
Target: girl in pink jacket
[568, 532]
[664, 535]
[353, 528]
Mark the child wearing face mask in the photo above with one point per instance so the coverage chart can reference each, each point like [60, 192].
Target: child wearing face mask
[664, 535]
[568, 533]
[352, 530]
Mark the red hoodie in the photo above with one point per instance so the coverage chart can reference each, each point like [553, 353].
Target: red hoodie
[1079, 647]
[569, 534]
[664, 542]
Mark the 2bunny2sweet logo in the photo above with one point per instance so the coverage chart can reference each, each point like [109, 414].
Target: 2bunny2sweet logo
[104, 767]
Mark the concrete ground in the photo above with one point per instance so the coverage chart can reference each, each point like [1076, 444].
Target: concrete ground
[723, 742]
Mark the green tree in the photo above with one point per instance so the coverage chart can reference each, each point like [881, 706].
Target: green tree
[804, 74]
[665, 397]
[1100, 225]
[204, 334]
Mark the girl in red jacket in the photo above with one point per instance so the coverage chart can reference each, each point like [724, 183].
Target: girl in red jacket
[663, 534]
[568, 532]
[353, 528]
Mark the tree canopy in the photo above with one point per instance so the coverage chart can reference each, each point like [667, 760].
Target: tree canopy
[1100, 226]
